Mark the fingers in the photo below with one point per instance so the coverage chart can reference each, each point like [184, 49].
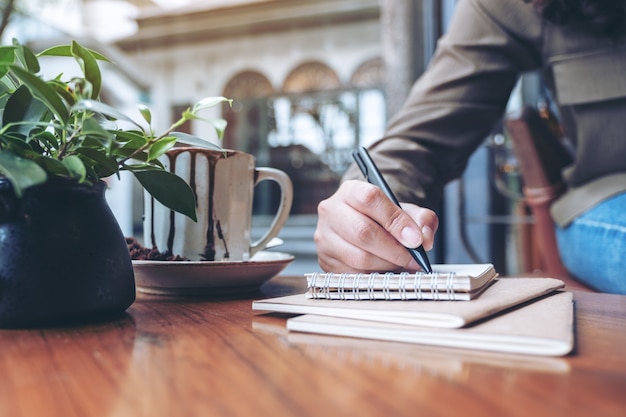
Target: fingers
[412, 225]
[426, 220]
[347, 241]
[360, 229]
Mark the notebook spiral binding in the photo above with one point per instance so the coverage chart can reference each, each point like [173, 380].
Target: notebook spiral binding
[370, 286]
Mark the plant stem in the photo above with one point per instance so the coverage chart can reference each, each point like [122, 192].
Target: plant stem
[152, 141]
[64, 139]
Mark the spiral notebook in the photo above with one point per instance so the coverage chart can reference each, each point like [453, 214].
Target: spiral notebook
[446, 282]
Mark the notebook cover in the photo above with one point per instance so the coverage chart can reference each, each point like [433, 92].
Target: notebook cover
[502, 294]
[541, 327]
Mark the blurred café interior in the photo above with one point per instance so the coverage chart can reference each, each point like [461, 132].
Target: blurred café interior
[310, 80]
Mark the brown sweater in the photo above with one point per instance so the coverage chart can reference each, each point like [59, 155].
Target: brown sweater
[456, 102]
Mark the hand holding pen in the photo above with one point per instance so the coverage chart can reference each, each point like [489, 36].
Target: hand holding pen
[373, 176]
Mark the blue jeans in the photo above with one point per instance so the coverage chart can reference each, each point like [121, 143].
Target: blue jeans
[593, 246]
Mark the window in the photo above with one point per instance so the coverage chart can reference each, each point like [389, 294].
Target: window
[310, 136]
[308, 130]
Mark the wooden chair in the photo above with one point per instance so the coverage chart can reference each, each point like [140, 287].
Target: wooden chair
[541, 157]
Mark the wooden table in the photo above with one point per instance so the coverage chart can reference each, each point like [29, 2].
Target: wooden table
[217, 357]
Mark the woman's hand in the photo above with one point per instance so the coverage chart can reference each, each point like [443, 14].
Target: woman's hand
[360, 230]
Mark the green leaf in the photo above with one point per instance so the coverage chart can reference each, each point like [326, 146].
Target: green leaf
[128, 144]
[170, 190]
[161, 146]
[94, 130]
[46, 140]
[27, 57]
[218, 124]
[7, 55]
[89, 66]
[154, 164]
[141, 156]
[42, 91]
[104, 109]
[7, 86]
[76, 167]
[66, 50]
[220, 127]
[35, 145]
[93, 176]
[82, 88]
[16, 143]
[91, 126]
[102, 163]
[209, 102]
[145, 113]
[133, 137]
[22, 172]
[53, 166]
[90, 142]
[59, 50]
[195, 141]
[7, 58]
[20, 109]
[63, 90]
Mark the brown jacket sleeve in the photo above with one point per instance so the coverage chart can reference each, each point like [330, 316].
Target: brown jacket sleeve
[456, 102]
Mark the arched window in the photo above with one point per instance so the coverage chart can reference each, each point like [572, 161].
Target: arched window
[246, 122]
[248, 84]
[370, 74]
[309, 77]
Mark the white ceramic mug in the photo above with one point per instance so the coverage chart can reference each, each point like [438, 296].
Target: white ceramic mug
[223, 182]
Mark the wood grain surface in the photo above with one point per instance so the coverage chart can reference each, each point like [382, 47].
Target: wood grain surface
[217, 357]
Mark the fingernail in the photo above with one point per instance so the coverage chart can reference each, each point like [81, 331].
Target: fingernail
[411, 238]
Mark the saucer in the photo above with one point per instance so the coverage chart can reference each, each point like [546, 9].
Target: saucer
[196, 278]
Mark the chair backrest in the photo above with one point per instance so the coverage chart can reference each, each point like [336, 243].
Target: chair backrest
[541, 157]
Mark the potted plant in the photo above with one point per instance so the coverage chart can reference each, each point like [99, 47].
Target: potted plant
[63, 256]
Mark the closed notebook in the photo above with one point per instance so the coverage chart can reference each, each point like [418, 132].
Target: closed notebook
[460, 282]
[502, 294]
[541, 327]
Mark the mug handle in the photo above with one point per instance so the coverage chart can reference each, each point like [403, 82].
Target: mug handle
[286, 199]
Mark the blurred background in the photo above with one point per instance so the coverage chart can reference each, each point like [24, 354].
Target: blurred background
[310, 79]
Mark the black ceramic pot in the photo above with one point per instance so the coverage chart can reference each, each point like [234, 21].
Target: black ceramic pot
[63, 257]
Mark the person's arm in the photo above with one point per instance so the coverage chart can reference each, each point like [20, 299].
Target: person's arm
[459, 98]
[449, 111]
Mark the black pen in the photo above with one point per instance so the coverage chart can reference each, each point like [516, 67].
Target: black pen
[373, 176]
